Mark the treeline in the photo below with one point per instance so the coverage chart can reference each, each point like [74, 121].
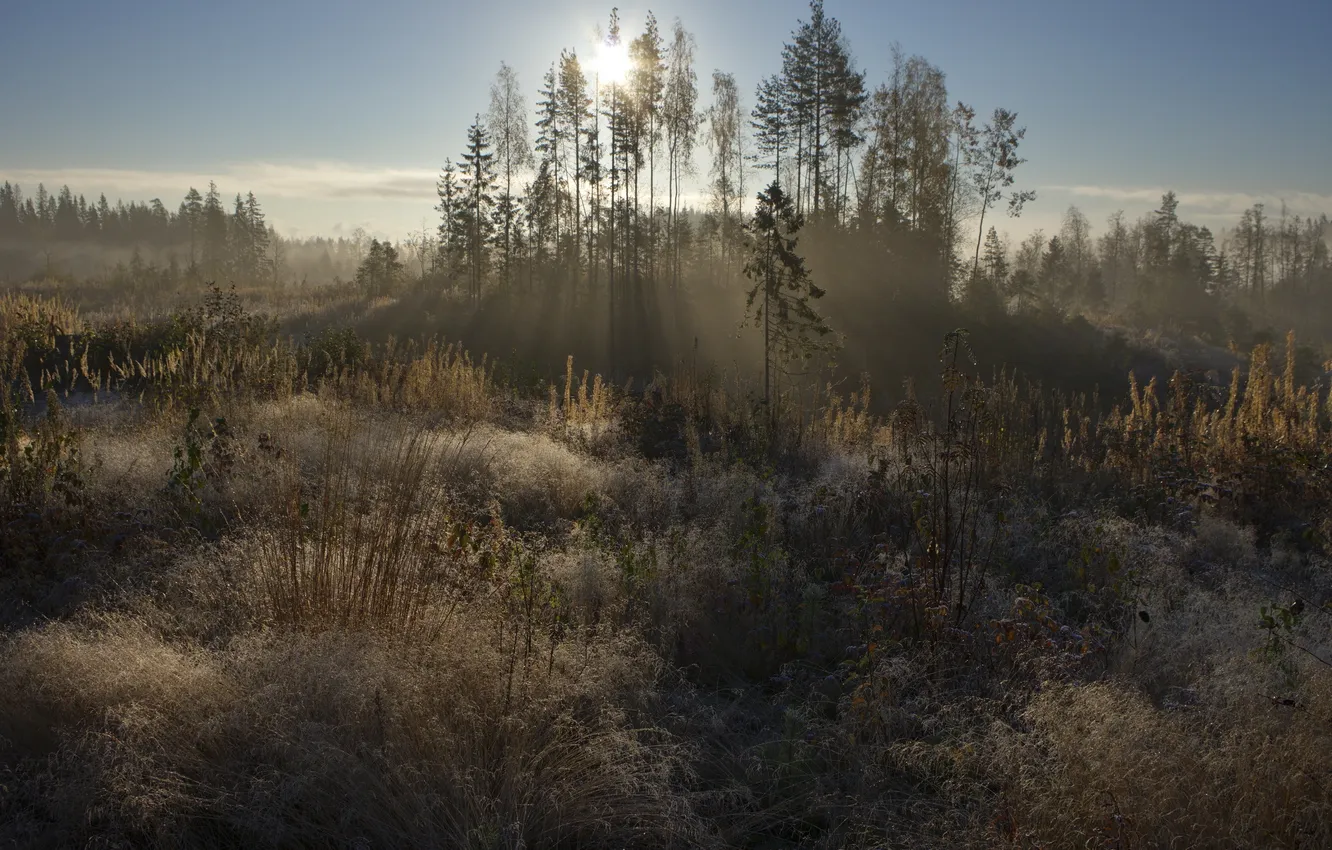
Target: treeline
[589, 212]
[899, 186]
[591, 215]
[218, 240]
[1161, 271]
[148, 245]
[611, 214]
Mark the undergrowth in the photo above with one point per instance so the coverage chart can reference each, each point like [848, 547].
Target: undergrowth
[343, 594]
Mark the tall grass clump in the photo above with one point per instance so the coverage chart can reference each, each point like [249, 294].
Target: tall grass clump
[369, 542]
[585, 411]
[430, 377]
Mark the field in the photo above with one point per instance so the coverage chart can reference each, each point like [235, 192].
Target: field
[346, 591]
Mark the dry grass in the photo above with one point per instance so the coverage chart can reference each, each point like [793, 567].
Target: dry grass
[1103, 764]
[114, 734]
[369, 544]
[407, 608]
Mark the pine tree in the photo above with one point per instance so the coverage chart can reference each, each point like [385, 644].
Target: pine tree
[825, 95]
[1054, 272]
[41, 223]
[680, 119]
[770, 123]
[614, 112]
[107, 219]
[239, 237]
[780, 300]
[592, 175]
[993, 159]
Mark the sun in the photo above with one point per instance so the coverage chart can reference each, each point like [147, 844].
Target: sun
[612, 63]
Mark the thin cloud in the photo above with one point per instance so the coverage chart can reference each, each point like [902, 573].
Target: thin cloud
[309, 180]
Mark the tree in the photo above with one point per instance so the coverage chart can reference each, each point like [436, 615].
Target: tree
[573, 112]
[381, 270]
[11, 199]
[725, 120]
[1117, 265]
[193, 212]
[278, 258]
[550, 144]
[592, 174]
[1075, 237]
[1163, 232]
[1027, 267]
[779, 302]
[475, 212]
[540, 195]
[648, 79]
[993, 159]
[680, 119]
[508, 124]
[908, 184]
[106, 218]
[214, 231]
[66, 222]
[1054, 271]
[770, 123]
[825, 95]
[617, 128]
[248, 235]
[44, 217]
[450, 242]
[256, 233]
[238, 240]
[985, 289]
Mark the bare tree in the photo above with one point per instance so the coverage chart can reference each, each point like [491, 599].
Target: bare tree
[725, 121]
[513, 150]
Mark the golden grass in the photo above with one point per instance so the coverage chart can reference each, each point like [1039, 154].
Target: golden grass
[1105, 765]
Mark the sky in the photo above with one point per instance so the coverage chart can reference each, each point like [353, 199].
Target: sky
[340, 114]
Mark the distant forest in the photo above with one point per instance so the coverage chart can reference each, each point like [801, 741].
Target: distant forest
[565, 226]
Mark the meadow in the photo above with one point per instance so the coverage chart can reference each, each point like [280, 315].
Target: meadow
[335, 590]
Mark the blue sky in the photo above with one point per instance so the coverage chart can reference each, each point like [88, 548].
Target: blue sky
[339, 114]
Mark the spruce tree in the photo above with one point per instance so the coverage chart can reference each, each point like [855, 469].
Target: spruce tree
[450, 242]
[478, 226]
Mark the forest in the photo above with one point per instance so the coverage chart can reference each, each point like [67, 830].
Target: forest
[712, 470]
